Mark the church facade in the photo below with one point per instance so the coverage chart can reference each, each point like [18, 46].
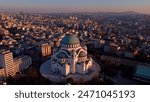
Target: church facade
[70, 57]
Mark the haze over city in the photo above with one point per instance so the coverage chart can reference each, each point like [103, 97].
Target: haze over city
[48, 6]
[78, 42]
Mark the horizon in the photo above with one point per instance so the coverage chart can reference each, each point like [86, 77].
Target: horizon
[67, 6]
[73, 12]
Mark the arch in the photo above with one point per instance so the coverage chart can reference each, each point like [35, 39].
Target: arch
[62, 54]
[82, 53]
[65, 51]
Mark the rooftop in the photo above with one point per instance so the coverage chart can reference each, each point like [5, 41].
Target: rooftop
[3, 51]
[143, 71]
[62, 55]
[70, 39]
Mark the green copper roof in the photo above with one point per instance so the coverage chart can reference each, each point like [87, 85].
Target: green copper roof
[143, 71]
[82, 54]
[62, 55]
[70, 39]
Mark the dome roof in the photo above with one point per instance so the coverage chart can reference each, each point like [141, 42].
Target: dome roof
[62, 55]
[82, 54]
[70, 39]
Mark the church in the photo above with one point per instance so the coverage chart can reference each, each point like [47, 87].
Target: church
[70, 57]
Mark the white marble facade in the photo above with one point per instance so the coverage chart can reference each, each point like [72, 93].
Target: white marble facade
[70, 57]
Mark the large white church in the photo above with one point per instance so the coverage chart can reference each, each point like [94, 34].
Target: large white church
[70, 57]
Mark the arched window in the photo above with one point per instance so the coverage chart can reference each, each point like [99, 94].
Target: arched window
[63, 60]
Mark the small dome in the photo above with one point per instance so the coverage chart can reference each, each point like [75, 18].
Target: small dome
[70, 39]
[82, 54]
[62, 55]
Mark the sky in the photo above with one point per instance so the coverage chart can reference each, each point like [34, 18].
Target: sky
[142, 6]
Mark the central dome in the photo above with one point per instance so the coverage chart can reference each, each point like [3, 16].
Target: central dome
[70, 39]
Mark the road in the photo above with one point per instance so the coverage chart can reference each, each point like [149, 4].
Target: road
[122, 61]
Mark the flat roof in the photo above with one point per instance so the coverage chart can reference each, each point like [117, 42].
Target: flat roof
[143, 71]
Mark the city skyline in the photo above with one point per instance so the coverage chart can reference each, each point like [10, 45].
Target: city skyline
[74, 48]
[48, 6]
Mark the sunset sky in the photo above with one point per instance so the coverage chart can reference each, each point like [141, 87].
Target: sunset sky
[142, 6]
